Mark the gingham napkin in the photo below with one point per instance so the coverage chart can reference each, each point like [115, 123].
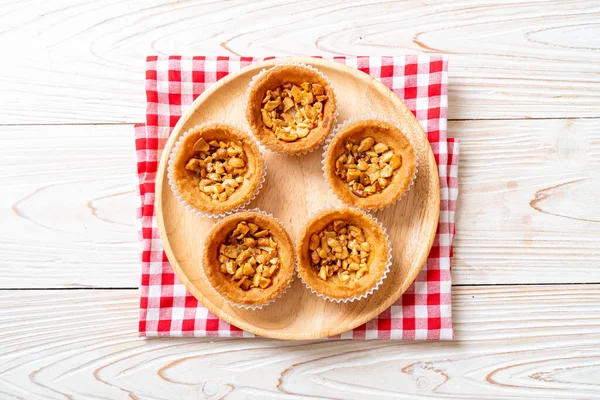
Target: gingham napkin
[172, 83]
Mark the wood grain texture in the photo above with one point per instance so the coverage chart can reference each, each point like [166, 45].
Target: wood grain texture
[294, 189]
[67, 207]
[527, 210]
[81, 61]
[512, 342]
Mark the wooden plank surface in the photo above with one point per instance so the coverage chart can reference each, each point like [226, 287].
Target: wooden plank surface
[68, 206]
[78, 61]
[527, 210]
[512, 342]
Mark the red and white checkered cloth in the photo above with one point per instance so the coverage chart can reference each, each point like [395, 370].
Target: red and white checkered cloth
[172, 83]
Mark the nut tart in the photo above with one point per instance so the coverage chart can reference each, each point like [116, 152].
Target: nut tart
[370, 164]
[248, 259]
[343, 254]
[291, 108]
[216, 168]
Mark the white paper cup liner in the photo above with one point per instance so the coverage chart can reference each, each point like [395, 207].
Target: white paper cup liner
[248, 306]
[377, 284]
[182, 200]
[341, 126]
[325, 78]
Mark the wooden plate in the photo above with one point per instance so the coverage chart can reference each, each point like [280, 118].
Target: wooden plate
[294, 189]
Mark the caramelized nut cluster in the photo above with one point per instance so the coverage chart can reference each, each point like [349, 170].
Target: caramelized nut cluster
[367, 166]
[291, 111]
[340, 249]
[221, 167]
[249, 256]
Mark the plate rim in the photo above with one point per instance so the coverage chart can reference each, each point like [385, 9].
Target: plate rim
[161, 175]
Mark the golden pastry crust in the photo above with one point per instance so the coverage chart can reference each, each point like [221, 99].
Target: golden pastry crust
[227, 287]
[278, 76]
[377, 261]
[187, 182]
[382, 132]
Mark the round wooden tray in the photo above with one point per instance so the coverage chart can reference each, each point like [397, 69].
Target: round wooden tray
[295, 188]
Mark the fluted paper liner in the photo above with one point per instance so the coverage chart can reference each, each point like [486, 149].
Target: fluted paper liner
[249, 306]
[349, 121]
[377, 284]
[193, 209]
[325, 78]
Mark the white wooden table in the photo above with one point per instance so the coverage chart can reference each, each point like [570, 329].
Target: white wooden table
[524, 100]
